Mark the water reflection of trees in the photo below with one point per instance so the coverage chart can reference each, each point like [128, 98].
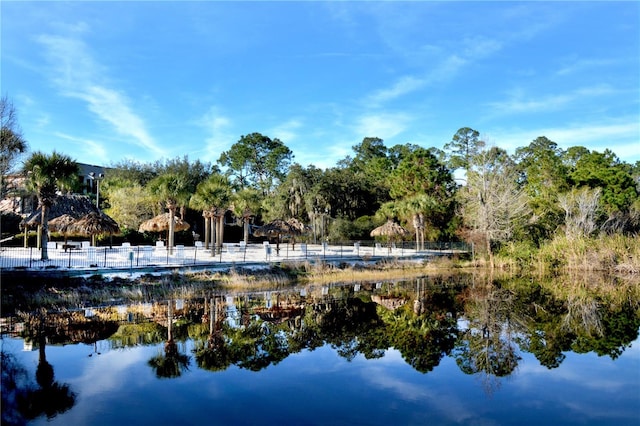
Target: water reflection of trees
[487, 345]
[21, 399]
[425, 330]
[485, 324]
[172, 363]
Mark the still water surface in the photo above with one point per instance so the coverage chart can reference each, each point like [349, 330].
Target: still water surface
[428, 351]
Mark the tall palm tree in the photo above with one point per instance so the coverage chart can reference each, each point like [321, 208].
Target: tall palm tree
[245, 204]
[46, 175]
[212, 196]
[418, 209]
[12, 143]
[172, 189]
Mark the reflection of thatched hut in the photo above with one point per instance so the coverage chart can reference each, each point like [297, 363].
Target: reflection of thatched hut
[278, 315]
[389, 302]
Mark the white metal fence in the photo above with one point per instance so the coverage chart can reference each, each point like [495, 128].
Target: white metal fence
[83, 256]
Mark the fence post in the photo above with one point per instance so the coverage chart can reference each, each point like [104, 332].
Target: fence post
[30, 256]
[69, 259]
[105, 258]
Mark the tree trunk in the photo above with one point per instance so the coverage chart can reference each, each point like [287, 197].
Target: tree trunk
[169, 320]
[416, 226]
[172, 215]
[246, 231]
[489, 252]
[220, 232]
[422, 226]
[44, 237]
[214, 233]
[207, 230]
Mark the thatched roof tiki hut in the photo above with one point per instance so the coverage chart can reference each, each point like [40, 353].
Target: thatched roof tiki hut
[93, 224]
[160, 223]
[391, 231]
[298, 228]
[277, 228]
[73, 205]
[60, 224]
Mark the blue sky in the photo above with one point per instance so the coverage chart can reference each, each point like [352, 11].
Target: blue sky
[152, 80]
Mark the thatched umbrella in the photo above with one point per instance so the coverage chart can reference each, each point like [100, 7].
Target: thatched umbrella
[391, 230]
[160, 223]
[72, 204]
[93, 224]
[75, 206]
[298, 228]
[60, 225]
[275, 229]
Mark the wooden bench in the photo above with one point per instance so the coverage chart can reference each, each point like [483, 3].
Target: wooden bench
[71, 245]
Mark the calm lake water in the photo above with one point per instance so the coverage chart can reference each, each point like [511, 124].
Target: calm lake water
[429, 351]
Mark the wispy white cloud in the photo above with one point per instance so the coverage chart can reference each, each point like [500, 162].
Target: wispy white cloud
[77, 75]
[518, 101]
[90, 148]
[112, 107]
[444, 69]
[480, 47]
[621, 136]
[384, 125]
[287, 132]
[580, 65]
[449, 406]
[401, 87]
[218, 133]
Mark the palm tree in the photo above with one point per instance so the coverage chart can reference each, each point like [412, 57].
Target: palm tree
[46, 176]
[12, 143]
[172, 189]
[245, 204]
[418, 208]
[212, 197]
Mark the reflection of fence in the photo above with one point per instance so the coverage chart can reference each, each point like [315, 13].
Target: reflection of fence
[120, 257]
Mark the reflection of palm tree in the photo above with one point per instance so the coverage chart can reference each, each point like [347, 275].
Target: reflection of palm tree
[172, 363]
[51, 397]
[214, 354]
[14, 379]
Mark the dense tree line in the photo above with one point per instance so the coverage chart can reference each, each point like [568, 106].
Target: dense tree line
[469, 190]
